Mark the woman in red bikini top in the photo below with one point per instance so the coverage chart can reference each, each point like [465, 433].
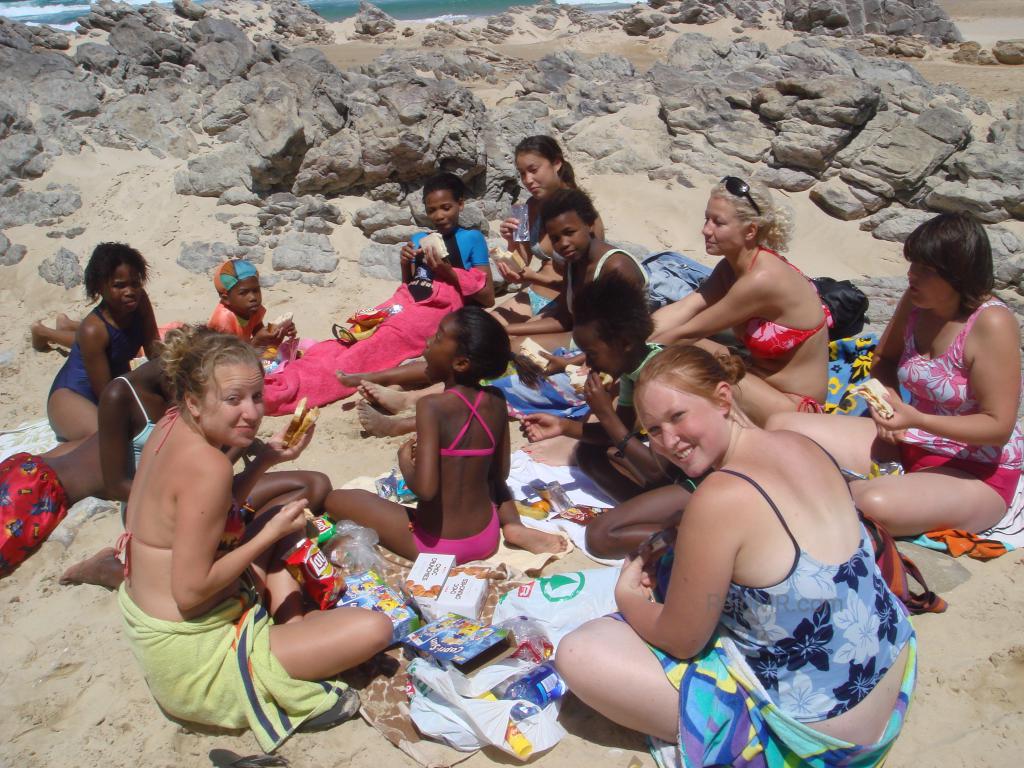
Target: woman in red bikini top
[771, 307]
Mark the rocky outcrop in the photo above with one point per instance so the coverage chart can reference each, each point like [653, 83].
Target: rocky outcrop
[883, 17]
[370, 21]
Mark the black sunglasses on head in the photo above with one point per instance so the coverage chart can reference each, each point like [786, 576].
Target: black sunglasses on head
[739, 188]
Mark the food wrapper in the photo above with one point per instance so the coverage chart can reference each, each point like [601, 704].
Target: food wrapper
[319, 529]
[369, 318]
[320, 580]
[579, 513]
[368, 591]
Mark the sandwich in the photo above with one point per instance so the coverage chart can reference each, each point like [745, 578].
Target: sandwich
[302, 420]
[533, 352]
[434, 243]
[510, 259]
[578, 377]
[279, 322]
[874, 392]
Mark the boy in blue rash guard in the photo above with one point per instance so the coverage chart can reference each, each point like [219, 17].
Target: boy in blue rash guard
[444, 197]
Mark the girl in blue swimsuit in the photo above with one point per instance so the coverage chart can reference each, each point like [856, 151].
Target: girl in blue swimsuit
[106, 340]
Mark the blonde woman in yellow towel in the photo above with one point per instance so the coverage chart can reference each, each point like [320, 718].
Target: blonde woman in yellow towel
[213, 619]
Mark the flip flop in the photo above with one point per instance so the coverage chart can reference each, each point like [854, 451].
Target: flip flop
[346, 708]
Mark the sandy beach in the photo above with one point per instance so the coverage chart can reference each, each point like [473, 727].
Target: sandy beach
[74, 695]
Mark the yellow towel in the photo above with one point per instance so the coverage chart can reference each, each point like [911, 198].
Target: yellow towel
[218, 670]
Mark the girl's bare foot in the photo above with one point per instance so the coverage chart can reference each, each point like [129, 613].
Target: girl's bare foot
[380, 424]
[40, 339]
[102, 569]
[532, 540]
[385, 398]
[65, 323]
[349, 379]
[554, 451]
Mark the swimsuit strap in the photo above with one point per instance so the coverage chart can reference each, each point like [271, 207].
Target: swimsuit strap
[771, 504]
[137, 398]
[121, 549]
[171, 417]
[451, 450]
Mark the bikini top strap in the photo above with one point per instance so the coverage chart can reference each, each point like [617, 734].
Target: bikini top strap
[473, 412]
[771, 504]
[171, 417]
[137, 398]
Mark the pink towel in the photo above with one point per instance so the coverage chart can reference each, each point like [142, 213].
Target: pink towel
[401, 337]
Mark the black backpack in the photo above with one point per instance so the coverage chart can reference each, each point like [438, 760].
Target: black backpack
[846, 302]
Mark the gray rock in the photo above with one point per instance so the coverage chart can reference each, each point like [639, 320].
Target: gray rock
[214, 173]
[891, 156]
[63, 268]
[857, 17]
[189, 10]
[238, 196]
[836, 199]
[305, 252]
[317, 225]
[380, 216]
[785, 178]
[276, 133]
[381, 261]
[248, 236]
[945, 124]
[202, 257]
[222, 48]
[1009, 51]
[145, 46]
[30, 207]
[227, 107]
[401, 233]
[10, 254]
[96, 57]
[149, 121]
[989, 200]
[16, 152]
[640, 20]
[895, 224]
[372, 21]
[1005, 244]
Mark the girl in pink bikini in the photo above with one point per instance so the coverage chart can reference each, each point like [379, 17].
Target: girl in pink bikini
[956, 351]
[458, 461]
[772, 308]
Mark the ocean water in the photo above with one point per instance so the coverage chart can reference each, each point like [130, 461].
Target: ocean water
[63, 13]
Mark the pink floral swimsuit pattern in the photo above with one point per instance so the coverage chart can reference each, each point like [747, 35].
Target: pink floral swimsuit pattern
[940, 386]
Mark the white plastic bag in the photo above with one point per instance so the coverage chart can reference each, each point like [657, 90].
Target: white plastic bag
[563, 601]
[467, 724]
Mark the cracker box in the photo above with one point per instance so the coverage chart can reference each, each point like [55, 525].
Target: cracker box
[427, 576]
[456, 642]
[463, 594]
[382, 598]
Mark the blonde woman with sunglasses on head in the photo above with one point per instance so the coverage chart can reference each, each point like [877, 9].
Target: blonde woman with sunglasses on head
[773, 309]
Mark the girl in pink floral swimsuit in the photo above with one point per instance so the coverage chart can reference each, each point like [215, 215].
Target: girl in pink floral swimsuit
[956, 351]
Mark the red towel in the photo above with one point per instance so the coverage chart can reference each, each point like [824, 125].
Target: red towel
[401, 337]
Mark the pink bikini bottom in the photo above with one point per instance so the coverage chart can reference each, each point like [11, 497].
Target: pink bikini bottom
[479, 546]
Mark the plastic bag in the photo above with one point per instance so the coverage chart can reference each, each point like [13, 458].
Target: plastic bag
[351, 548]
[563, 601]
[468, 724]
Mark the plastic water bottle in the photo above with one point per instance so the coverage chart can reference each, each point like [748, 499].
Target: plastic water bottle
[539, 686]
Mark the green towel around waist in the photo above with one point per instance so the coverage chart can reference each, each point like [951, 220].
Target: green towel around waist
[218, 670]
